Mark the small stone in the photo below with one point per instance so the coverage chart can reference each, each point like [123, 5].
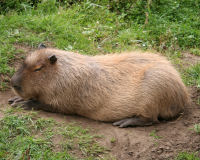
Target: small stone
[160, 150]
[130, 153]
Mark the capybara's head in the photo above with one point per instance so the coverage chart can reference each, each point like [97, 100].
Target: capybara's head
[35, 73]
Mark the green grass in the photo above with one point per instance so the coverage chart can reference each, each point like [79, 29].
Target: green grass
[191, 76]
[91, 27]
[197, 128]
[27, 136]
[187, 156]
[195, 51]
[113, 140]
[198, 101]
[154, 135]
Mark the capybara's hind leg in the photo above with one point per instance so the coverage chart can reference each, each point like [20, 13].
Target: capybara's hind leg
[132, 122]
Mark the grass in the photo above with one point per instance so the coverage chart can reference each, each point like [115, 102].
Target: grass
[91, 27]
[192, 75]
[154, 135]
[113, 140]
[27, 136]
[195, 51]
[197, 128]
[187, 156]
[198, 101]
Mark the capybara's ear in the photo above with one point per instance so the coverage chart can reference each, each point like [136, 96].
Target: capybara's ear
[41, 46]
[52, 59]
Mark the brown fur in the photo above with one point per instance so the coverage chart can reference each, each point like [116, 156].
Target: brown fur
[106, 87]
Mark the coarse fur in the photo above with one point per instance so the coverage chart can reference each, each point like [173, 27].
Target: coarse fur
[104, 87]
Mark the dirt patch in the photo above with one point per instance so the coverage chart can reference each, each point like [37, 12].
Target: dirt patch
[136, 143]
[195, 93]
[189, 59]
[4, 96]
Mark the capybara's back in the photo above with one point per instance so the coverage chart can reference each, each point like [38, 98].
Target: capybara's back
[144, 85]
[133, 88]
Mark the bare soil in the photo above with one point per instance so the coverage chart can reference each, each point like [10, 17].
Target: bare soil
[136, 143]
[189, 59]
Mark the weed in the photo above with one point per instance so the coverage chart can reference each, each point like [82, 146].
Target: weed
[3, 86]
[198, 101]
[113, 140]
[197, 128]
[153, 134]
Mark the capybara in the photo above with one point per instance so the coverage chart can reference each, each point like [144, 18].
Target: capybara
[129, 89]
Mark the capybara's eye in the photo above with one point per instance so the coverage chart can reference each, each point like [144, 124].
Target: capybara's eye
[38, 69]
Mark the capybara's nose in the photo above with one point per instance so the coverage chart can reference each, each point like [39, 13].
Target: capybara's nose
[17, 87]
[12, 82]
[15, 83]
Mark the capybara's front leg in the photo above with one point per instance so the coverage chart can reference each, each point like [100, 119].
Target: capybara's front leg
[132, 122]
[15, 101]
[29, 104]
[18, 101]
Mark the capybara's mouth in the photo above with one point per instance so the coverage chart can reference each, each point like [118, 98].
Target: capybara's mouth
[20, 94]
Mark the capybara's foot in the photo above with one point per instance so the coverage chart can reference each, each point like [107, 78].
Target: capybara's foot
[132, 122]
[15, 101]
[20, 102]
[29, 104]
